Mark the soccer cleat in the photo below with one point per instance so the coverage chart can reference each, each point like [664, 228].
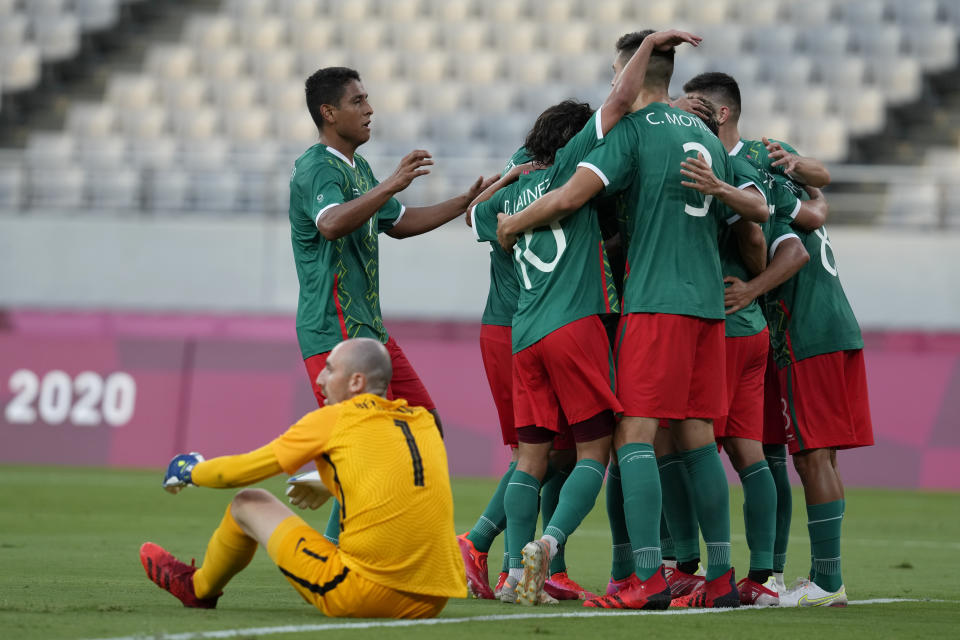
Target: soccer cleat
[617, 585]
[561, 587]
[778, 582]
[714, 594]
[174, 576]
[536, 564]
[500, 582]
[682, 583]
[475, 565]
[812, 595]
[508, 592]
[760, 595]
[652, 593]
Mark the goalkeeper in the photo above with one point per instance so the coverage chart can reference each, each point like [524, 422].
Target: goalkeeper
[386, 464]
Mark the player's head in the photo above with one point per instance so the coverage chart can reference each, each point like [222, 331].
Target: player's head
[355, 366]
[720, 89]
[554, 128]
[710, 117]
[337, 100]
[659, 69]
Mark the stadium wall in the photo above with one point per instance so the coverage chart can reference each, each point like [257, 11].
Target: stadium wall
[133, 389]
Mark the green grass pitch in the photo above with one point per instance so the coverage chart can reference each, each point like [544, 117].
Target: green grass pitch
[69, 569]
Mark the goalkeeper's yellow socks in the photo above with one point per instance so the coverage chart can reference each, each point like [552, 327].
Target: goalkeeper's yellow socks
[228, 552]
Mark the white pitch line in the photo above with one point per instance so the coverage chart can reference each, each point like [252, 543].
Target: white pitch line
[382, 624]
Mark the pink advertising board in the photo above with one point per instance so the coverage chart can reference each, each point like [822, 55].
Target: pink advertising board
[132, 390]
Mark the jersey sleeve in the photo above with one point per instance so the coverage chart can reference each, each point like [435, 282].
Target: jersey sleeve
[306, 439]
[325, 192]
[614, 162]
[780, 231]
[484, 216]
[579, 146]
[784, 202]
[389, 215]
[745, 174]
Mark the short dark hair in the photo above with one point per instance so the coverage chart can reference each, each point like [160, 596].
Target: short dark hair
[711, 119]
[554, 128]
[660, 67]
[721, 88]
[326, 86]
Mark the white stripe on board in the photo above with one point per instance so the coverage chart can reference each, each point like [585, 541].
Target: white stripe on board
[505, 617]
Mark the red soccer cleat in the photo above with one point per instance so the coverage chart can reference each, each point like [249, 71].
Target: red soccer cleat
[475, 565]
[652, 593]
[756, 594]
[716, 594]
[561, 587]
[615, 586]
[501, 580]
[174, 576]
[682, 583]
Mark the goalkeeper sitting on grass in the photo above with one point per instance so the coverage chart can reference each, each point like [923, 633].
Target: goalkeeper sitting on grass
[386, 464]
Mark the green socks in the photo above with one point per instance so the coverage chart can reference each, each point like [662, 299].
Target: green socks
[776, 455]
[622, 565]
[521, 502]
[759, 514]
[641, 505]
[577, 497]
[711, 499]
[678, 509]
[549, 498]
[823, 523]
[494, 519]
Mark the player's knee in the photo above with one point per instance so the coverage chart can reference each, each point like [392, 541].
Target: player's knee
[811, 462]
[247, 500]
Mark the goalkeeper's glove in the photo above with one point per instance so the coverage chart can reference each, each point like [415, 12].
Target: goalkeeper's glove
[179, 471]
[307, 491]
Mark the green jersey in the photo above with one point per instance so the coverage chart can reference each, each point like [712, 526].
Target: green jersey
[756, 152]
[504, 287]
[750, 320]
[562, 269]
[809, 314]
[673, 259]
[339, 279]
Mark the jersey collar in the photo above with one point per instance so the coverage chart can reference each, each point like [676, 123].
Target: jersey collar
[736, 149]
[341, 156]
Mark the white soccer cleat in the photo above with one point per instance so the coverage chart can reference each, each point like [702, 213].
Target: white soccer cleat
[536, 563]
[779, 585]
[508, 592]
[812, 595]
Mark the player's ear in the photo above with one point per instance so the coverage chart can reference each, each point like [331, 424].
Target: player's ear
[328, 112]
[357, 383]
[723, 114]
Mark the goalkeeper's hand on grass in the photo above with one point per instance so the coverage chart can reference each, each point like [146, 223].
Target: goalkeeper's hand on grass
[179, 471]
[307, 491]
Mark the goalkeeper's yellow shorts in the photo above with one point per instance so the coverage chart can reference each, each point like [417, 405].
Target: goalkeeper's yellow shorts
[315, 568]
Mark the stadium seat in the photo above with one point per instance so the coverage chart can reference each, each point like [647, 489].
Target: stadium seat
[915, 12]
[91, 119]
[309, 61]
[569, 38]
[748, 12]
[657, 13]
[166, 189]
[467, 37]
[863, 111]
[107, 151]
[45, 8]
[149, 123]
[170, 60]
[184, 93]
[57, 36]
[12, 188]
[409, 11]
[351, 10]
[607, 11]
[313, 35]
[50, 149]
[263, 34]
[296, 129]
[809, 12]
[745, 69]
[455, 130]
[878, 40]
[298, 11]
[840, 74]
[363, 36]
[757, 99]
[154, 153]
[209, 31]
[392, 97]
[808, 103]
[247, 124]
[113, 188]
[826, 40]
[498, 97]
[481, 67]
[13, 31]
[217, 190]
[446, 100]
[56, 188]
[229, 62]
[131, 90]
[234, 94]
[720, 40]
[415, 36]
[913, 204]
[525, 36]
[20, 67]
[824, 138]
[789, 72]
[274, 65]
[772, 40]
[585, 69]
[715, 12]
[257, 156]
[209, 153]
[199, 123]
[376, 66]
[450, 10]
[408, 127]
[248, 9]
[286, 95]
[861, 12]
[899, 78]
[533, 69]
[505, 130]
[775, 125]
[561, 12]
[504, 10]
[933, 45]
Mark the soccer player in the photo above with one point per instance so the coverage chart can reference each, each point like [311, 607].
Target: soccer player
[337, 211]
[672, 325]
[386, 463]
[780, 159]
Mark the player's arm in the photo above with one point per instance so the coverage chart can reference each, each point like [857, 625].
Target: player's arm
[801, 169]
[627, 88]
[747, 201]
[813, 212]
[787, 258]
[583, 185]
[417, 220]
[344, 218]
[751, 244]
[508, 177]
[223, 472]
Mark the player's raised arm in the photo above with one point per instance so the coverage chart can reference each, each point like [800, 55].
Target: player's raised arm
[749, 202]
[629, 83]
[417, 220]
[342, 219]
[801, 169]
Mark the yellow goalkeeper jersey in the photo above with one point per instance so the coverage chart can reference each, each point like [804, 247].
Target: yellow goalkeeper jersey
[386, 464]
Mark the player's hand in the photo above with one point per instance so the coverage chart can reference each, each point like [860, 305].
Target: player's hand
[409, 168]
[781, 157]
[476, 190]
[504, 236]
[306, 496]
[694, 105]
[180, 470]
[701, 176]
[737, 294]
[666, 40]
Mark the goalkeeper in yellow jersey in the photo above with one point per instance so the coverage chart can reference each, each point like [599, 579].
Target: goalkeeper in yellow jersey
[385, 463]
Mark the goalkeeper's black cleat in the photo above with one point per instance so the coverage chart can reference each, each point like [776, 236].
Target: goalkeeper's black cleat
[174, 576]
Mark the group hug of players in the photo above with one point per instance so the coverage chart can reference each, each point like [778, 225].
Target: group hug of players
[661, 289]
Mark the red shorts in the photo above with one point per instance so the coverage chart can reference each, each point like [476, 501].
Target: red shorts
[671, 366]
[404, 384]
[746, 365]
[826, 401]
[774, 413]
[496, 350]
[568, 372]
